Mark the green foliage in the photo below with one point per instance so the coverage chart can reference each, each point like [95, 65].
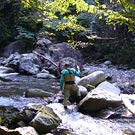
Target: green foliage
[24, 34]
[58, 15]
[124, 15]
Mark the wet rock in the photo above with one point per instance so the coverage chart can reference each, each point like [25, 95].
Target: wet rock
[105, 114]
[45, 76]
[37, 93]
[45, 121]
[6, 70]
[18, 131]
[99, 99]
[23, 118]
[7, 113]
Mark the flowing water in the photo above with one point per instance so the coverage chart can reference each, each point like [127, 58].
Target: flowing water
[73, 122]
[12, 92]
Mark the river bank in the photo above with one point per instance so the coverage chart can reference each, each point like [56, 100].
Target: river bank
[73, 122]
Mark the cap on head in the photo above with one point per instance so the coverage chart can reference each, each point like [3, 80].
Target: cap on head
[67, 65]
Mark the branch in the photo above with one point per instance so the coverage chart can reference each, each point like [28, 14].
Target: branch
[45, 58]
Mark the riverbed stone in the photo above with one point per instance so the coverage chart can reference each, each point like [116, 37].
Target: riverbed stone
[34, 92]
[63, 50]
[109, 87]
[99, 99]
[46, 120]
[92, 79]
[29, 64]
[4, 69]
[71, 61]
[18, 131]
[45, 76]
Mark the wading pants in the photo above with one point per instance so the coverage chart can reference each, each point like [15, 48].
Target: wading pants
[67, 89]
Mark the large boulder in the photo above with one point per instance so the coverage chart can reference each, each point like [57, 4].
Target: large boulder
[29, 64]
[92, 79]
[109, 87]
[83, 92]
[100, 98]
[45, 121]
[73, 62]
[20, 46]
[62, 50]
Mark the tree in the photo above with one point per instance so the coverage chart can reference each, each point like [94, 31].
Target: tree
[125, 14]
[61, 15]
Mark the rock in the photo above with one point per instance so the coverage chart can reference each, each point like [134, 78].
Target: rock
[99, 99]
[27, 131]
[92, 79]
[45, 121]
[73, 63]
[105, 114]
[29, 64]
[63, 50]
[25, 64]
[6, 70]
[74, 95]
[18, 131]
[83, 91]
[37, 93]
[107, 62]
[109, 87]
[20, 46]
[23, 117]
[45, 76]
[12, 61]
[44, 41]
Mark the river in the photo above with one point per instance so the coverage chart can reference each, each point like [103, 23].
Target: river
[73, 122]
[12, 93]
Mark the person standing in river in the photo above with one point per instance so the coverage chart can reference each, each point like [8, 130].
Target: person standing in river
[67, 82]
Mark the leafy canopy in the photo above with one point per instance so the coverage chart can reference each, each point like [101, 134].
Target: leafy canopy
[61, 15]
[125, 15]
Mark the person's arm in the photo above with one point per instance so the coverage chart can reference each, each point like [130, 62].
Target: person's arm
[62, 81]
[77, 72]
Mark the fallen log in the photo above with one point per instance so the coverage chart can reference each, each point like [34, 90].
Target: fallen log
[128, 104]
[40, 55]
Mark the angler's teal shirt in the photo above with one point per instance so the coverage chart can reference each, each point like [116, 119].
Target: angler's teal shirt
[65, 72]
